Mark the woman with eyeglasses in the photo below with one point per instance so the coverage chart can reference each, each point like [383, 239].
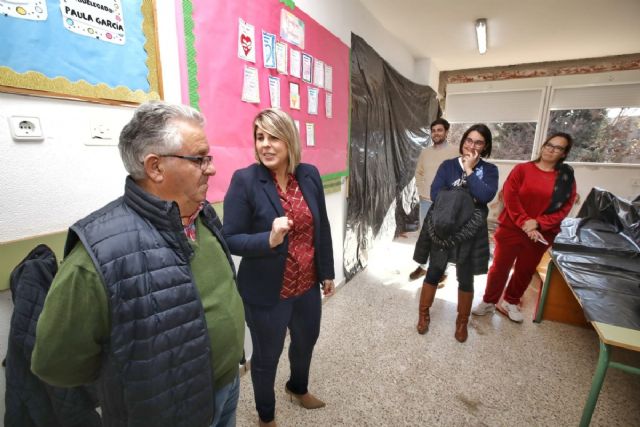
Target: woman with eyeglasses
[537, 195]
[275, 218]
[455, 229]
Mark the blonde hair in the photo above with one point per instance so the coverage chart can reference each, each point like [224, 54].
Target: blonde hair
[279, 124]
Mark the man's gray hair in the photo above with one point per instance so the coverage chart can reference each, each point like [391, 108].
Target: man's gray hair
[153, 129]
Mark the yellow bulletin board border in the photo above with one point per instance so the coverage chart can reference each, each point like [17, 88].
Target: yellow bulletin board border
[37, 84]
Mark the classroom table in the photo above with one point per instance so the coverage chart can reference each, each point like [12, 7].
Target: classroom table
[558, 301]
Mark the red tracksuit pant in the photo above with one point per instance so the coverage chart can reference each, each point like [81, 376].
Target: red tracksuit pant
[512, 245]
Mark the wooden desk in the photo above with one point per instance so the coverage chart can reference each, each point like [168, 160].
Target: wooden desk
[557, 301]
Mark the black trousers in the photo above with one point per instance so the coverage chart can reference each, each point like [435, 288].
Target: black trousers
[268, 327]
[463, 274]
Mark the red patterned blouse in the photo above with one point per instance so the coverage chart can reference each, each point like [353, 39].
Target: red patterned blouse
[300, 269]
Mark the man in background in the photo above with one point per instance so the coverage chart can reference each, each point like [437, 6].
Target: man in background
[145, 303]
[426, 168]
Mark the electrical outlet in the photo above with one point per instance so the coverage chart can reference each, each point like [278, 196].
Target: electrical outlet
[25, 128]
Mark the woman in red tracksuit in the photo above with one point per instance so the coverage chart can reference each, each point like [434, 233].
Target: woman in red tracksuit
[537, 195]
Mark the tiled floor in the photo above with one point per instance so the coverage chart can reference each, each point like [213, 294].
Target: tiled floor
[373, 369]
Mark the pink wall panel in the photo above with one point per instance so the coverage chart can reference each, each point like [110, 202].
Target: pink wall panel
[220, 76]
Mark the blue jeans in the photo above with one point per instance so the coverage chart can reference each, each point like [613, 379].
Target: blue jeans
[424, 208]
[268, 326]
[226, 404]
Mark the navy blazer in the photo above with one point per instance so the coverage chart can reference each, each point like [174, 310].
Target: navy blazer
[250, 206]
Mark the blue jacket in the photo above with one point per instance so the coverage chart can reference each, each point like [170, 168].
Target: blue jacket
[482, 184]
[250, 206]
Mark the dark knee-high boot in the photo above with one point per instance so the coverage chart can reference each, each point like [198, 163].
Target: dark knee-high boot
[465, 299]
[427, 295]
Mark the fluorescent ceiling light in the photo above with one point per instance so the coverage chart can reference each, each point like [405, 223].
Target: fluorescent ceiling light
[481, 35]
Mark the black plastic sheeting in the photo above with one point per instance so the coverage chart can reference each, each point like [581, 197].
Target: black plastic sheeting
[390, 119]
[599, 255]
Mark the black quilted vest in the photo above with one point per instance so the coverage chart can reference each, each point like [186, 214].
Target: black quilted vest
[156, 368]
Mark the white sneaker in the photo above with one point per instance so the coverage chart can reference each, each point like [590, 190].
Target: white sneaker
[512, 311]
[484, 308]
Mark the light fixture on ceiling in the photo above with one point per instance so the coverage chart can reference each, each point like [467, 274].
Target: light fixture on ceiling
[481, 35]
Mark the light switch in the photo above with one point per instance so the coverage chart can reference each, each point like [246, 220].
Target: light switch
[102, 133]
[25, 128]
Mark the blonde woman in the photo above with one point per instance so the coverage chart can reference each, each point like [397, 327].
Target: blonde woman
[275, 218]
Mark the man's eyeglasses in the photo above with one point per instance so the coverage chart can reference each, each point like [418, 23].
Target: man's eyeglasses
[556, 148]
[478, 143]
[202, 161]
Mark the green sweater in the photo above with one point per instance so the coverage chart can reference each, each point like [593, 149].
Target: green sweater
[75, 320]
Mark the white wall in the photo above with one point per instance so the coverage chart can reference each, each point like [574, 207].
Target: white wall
[48, 185]
[343, 17]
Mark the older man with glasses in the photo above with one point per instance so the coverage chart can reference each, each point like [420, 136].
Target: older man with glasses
[145, 304]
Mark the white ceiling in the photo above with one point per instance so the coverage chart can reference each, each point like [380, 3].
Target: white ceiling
[519, 31]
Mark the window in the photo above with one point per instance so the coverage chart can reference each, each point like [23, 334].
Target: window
[510, 141]
[600, 110]
[604, 135]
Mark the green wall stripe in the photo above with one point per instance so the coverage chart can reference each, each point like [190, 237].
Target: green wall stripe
[332, 176]
[189, 43]
[11, 253]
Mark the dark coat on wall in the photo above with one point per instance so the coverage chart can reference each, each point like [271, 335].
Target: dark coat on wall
[28, 400]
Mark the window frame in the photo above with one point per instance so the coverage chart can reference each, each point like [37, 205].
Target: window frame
[547, 87]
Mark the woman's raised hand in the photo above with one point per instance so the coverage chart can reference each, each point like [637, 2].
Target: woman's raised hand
[279, 229]
[469, 161]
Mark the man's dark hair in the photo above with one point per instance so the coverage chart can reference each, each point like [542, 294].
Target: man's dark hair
[440, 121]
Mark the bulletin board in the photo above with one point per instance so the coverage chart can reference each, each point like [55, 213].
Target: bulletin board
[100, 50]
[214, 68]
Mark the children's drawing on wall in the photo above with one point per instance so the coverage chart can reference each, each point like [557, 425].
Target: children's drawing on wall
[313, 100]
[328, 77]
[251, 86]
[292, 28]
[227, 28]
[311, 135]
[246, 38]
[318, 73]
[274, 91]
[294, 63]
[281, 57]
[294, 96]
[102, 21]
[328, 105]
[34, 10]
[269, 49]
[306, 67]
